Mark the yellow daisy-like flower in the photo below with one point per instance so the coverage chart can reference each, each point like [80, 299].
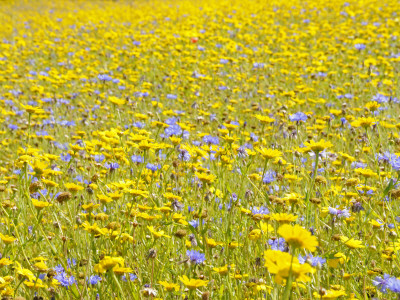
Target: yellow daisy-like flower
[282, 263]
[284, 218]
[157, 234]
[35, 284]
[330, 294]
[5, 262]
[269, 153]
[264, 119]
[363, 122]
[372, 106]
[255, 234]
[366, 172]
[351, 243]
[41, 266]
[192, 284]
[298, 237]
[108, 263]
[7, 239]
[318, 146]
[205, 178]
[223, 270]
[39, 205]
[169, 286]
[121, 270]
[117, 101]
[72, 187]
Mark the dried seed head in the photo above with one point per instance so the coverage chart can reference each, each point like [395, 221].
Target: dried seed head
[35, 186]
[180, 233]
[152, 253]
[315, 200]
[63, 197]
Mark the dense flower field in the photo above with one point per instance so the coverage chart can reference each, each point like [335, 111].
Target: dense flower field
[200, 149]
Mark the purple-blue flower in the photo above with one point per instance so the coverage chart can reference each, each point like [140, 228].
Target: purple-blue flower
[297, 117]
[195, 256]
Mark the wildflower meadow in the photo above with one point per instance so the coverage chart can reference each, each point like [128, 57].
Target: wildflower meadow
[182, 149]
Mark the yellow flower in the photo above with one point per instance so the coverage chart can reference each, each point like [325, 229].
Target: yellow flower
[39, 167]
[40, 266]
[32, 109]
[298, 237]
[39, 205]
[7, 239]
[351, 243]
[283, 218]
[72, 187]
[121, 270]
[282, 263]
[5, 262]
[35, 284]
[212, 243]
[265, 227]
[363, 122]
[372, 105]
[205, 178]
[366, 172]
[223, 270]
[255, 234]
[25, 273]
[93, 229]
[169, 286]
[330, 294]
[107, 263]
[269, 153]
[116, 100]
[90, 206]
[338, 258]
[49, 183]
[136, 193]
[104, 199]
[318, 146]
[264, 119]
[234, 245]
[192, 284]
[157, 234]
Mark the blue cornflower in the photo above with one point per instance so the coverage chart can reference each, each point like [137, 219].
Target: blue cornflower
[112, 166]
[312, 260]
[65, 157]
[194, 223]
[184, 155]
[12, 126]
[137, 159]
[152, 167]
[64, 280]
[259, 211]
[253, 137]
[297, 117]
[174, 129]
[269, 177]
[104, 77]
[172, 96]
[99, 158]
[359, 46]
[195, 256]
[132, 277]
[277, 244]
[340, 213]
[383, 283]
[208, 139]
[94, 279]
[358, 165]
